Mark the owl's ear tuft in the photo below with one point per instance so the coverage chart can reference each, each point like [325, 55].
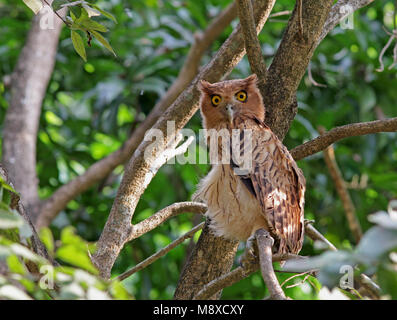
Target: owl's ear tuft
[252, 79]
[204, 86]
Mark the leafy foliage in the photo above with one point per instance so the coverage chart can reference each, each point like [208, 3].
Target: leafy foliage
[81, 13]
[24, 275]
[91, 107]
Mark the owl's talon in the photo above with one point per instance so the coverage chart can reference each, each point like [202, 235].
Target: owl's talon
[249, 256]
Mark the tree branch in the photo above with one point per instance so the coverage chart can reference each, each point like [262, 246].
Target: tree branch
[158, 218]
[350, 130]
[160, 253]
[315, 235]
[265, 243]
[99, 170]
[251, 41]
[337, 14]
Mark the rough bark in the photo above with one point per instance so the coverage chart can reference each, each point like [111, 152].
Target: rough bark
[290, 63]
[205, 265]
[28, 86]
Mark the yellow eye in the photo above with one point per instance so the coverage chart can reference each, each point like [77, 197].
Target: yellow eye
[241, 96]
[215, 99]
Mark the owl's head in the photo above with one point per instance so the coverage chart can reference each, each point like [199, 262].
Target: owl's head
[222, 102]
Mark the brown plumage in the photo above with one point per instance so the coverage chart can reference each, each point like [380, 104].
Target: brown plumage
[259, 185]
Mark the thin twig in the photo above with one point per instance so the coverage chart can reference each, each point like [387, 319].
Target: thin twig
[160, 253]
[394, 56]
[340, 184]
[382, 53]
[314, 82]
[307, 273]
[281, 13]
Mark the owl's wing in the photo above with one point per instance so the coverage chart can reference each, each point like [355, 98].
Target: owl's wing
[275, 180]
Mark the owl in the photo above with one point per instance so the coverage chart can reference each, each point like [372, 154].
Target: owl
[269, 192]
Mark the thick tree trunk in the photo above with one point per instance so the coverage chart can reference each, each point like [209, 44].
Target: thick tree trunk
[29, 83]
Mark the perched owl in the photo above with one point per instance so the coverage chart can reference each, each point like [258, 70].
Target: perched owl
[270, 193]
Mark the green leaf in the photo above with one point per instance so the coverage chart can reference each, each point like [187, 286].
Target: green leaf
[104, 13]
[92, 25]
[56, 4]
[15, 265]
[68, 236]
[34, 5]
[25, 253]
[91, 12]
[78, 44]
[118, 291]
[47, 238]
[10, 219]
[102, 40]
[75, 11]
[76, 257]
[5, 185]
[73, 16]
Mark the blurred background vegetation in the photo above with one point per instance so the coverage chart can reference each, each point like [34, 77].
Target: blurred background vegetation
[90, 109]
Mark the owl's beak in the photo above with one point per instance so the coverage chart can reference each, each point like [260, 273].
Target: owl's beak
[230, 112]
